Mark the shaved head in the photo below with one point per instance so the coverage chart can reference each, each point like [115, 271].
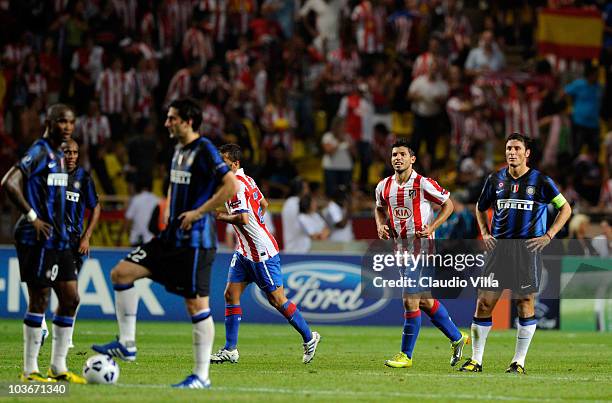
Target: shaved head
[59, 123]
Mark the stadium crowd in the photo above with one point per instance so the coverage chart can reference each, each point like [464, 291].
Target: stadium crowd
[311, 88]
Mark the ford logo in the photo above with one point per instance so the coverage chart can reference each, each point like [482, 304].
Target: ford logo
[402, 213]
[326, 291]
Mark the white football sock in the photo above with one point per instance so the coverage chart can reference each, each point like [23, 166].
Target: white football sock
[31, 347]
[524, 334]
[43, 325]
[62, 335]
[203, 337]
[479, 339]
[126, 306]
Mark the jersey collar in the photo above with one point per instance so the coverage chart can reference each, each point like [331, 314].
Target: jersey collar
[412, 176]
[240, 172]
[520, 177]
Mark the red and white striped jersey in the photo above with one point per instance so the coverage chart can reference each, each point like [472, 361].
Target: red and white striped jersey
[521, 116]
[409, 205]
[217, 10]
[255, 242]
[179, 14]
[370, 27]
[93, 130]
[180, 86]
[111, 89]
[345, 67]
[196, 46]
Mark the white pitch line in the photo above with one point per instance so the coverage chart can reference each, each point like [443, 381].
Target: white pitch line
[338, 392]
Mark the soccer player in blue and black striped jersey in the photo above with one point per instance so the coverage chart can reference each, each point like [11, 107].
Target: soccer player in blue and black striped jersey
[181, 257]
[519, 197]
[37, 185]
[81, 195]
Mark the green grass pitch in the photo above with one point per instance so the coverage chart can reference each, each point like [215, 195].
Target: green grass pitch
[348, 366]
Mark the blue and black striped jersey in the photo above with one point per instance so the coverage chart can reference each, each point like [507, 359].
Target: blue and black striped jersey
[519, 205]
[196, 172]
[44, 188]
[80, 195]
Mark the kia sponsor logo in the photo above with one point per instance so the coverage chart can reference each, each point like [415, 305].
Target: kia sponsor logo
[326, 291]
[402, 213]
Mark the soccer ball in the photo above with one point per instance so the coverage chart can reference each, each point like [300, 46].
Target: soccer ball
[101, 369]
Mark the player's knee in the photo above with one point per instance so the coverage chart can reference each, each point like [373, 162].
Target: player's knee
[426, 304]
[277, 301]
[484, 306]
[411, 304]
[119, 276]
[38, 302]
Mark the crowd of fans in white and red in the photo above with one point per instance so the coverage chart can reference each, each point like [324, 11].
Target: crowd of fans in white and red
[272, 74]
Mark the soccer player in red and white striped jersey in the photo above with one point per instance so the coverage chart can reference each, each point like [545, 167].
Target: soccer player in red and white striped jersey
[406, 199]
[256, 260]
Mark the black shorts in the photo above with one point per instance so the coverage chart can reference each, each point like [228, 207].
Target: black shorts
[182, 270]
[514, 267]
[40, 267]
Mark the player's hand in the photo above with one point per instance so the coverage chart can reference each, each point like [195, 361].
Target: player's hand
[188, 218]
[383, 232]
[489, 242]
[84, 246]
[539, 243]
[42, 228]
[425, 232]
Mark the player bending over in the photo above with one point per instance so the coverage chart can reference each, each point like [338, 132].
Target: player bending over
[256, 259]
[182, 256]
[519, 197]
[406, 199]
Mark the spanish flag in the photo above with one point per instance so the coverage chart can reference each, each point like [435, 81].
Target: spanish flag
[570, 33]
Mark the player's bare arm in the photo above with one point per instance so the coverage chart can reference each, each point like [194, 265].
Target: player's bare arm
[13, 183]
[236, 219]
[380, 215]
[447, 209]
[91, 225]
[483, 225]
[228, 188]
[539, 243]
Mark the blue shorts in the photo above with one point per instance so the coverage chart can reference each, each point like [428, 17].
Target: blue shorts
[419, 277]
[267, 275]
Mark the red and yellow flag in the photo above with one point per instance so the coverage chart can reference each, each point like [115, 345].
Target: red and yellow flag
[570, 33]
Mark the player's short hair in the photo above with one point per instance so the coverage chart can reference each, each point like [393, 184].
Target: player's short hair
[403, 143]
[188, 109]
[520, 137]
[56, 110]
[233, 151]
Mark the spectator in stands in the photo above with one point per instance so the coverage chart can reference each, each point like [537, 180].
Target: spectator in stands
[86, 66]
[474, 170]
[586, 94]
[603, 243]
[142, 153]
[339, 152]
[579, 245]
[337, 215]
[139, 212]
[326, 32]
[51, 68]
[428, 95]
[357, 111]
[277, 173]
[94, 132]
[487, 57]
[461, 224]
[312, 225]
[292, 232]
[588, 177]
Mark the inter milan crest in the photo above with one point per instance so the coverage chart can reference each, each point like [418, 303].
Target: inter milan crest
[530, 190]
[515, 188]
[412, 193]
